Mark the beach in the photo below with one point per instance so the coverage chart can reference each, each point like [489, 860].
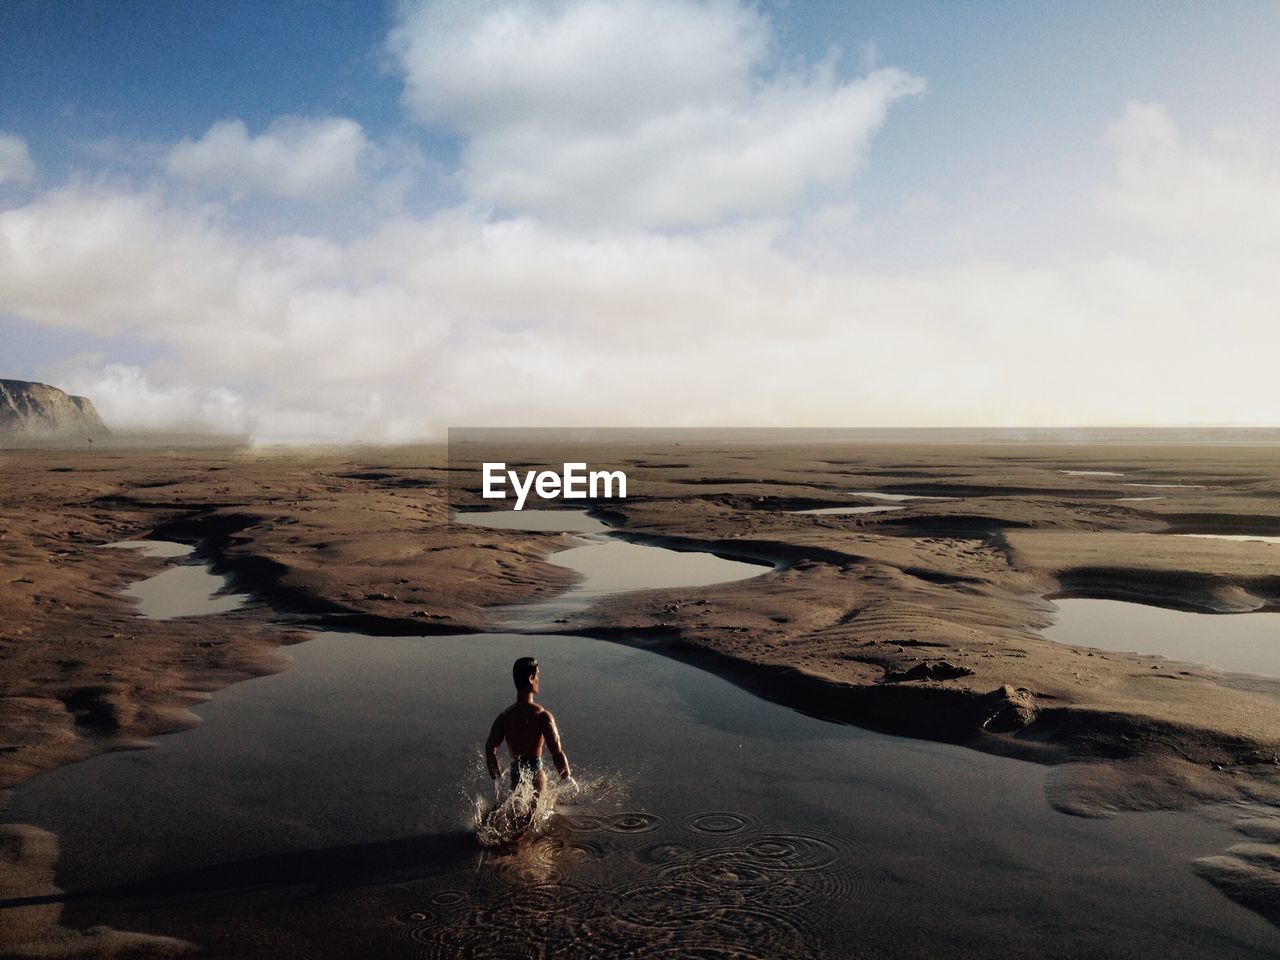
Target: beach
[922, 618]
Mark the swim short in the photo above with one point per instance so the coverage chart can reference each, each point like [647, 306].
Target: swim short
[519, 766]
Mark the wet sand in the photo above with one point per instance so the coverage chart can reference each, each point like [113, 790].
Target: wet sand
[923, 620]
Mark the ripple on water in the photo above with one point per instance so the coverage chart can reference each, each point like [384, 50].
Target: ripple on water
[552, 856]
[717, 888]
[795, 851]
[582, 823]
[632, 821]
[533, 920]
[655, 920]
[449, 898]
[740, 872]
[719, 822]
[663, 853]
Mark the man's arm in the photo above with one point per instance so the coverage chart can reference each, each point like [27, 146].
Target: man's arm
[552, 736]
[496, 736]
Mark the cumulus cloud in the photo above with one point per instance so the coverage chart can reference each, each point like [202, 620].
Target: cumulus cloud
[305, 159]
[1228, 190]
[16, 164]
[460, 319]
[652, 207]
[659, 113]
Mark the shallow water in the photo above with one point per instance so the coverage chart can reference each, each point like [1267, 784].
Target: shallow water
[716, 820]
[188, 590]
[327, 811]
[877, 495]
[606, 565]
[541, 521]
[1236, 642]
[842, 510]
[1239, 537]
[1091, 473]
[153, 548]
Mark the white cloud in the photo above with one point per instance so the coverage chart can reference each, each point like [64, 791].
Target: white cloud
[467, 316]
[459, 319]
[1227, 192]
[628, 113]
[16, 164]
[128, 400]
[294, 157]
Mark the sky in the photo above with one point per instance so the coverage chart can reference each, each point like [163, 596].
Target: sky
[355, 221]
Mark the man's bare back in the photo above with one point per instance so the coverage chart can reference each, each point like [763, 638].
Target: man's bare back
[526, 727]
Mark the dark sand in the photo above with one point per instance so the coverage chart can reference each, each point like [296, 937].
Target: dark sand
[923, 620]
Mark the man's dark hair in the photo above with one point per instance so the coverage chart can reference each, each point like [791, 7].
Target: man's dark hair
[522, 672]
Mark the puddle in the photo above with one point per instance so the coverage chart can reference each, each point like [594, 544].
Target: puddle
[1236, 642]
[1238, 537]
[1138, 499]
[153, 548]
[332, 801]
[614, 566]
[1167, 486]
[189, 590]
[533, 521]
[848, 510]
[607, 565]
[876, 495]
[715, 824]
[1091, 473]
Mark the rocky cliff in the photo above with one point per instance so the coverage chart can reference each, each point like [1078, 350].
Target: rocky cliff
[38, 411]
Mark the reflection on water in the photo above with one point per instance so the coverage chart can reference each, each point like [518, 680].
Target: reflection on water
[1091, 473]
[613, 566]
[842, 510]
[711, 823]
[877, 495]
[734, 891]
[606, 565]
[152, 548]
[327, 812]
[189, 590]
[1238, 642]
[1239, 537]
[537, 521]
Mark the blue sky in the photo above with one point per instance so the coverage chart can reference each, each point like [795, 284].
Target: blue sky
[201, 200]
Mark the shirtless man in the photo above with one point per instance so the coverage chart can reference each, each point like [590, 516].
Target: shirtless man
[526, 726]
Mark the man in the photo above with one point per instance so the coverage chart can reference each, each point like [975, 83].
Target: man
[526, 726]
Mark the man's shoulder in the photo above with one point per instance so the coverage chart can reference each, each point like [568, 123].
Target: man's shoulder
[527, 709]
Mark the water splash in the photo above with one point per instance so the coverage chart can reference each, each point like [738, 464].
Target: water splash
[506, 816]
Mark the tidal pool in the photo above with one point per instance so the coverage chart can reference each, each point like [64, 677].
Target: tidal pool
[537, 521]
[1238, 537]
[325, 812]
[879, 508]
[606, 564]
[187, 590]
[876, 495]
[329, 804]
[1237, 642]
